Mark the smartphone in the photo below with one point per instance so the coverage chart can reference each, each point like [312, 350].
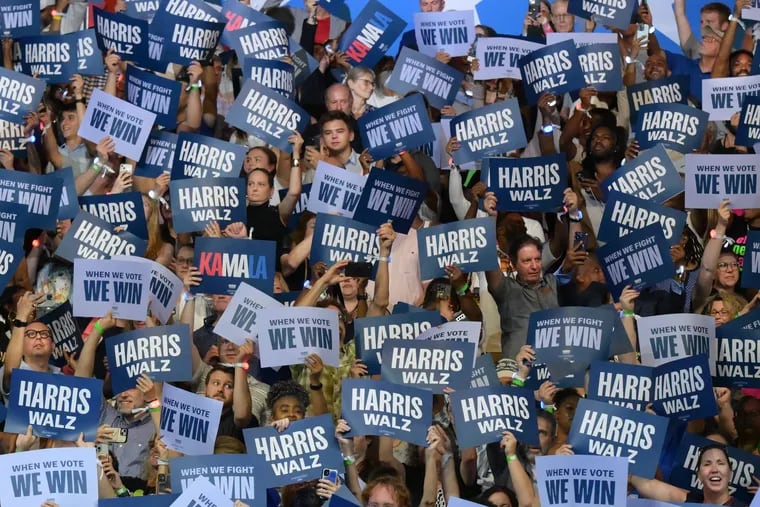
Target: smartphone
[125, 168]
[330, 474]
[642, 34]
[358, 269]
[582, 238]
[162, 483]
[534, 8]
[119, 435]
[102, 449]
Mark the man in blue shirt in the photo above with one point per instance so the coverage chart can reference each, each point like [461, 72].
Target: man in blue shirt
[701, 68]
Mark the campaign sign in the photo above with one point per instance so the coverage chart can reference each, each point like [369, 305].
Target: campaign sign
[484, 372]
[737, 364]
[124, 211]
[224, 263]
[19, 94]
[748, 131]
[233, 474]
[13, 138]
[639, 259]
[278, 461]
[751, 266]
[164, 288]
[391, 197]
[482, 414]
[568, 339]
[55, 406]
[40, 195]
[625, 214]
[128, 125]
[651, 176]
[67, 476]
[372, 32]
[304, 64]
[155, 94]
[488, 130]
[606, 430]
[617, 14]
[90, 237]
[712, 178]
[620, 384]
[417, 72]
[664, 338]
[198, 156]
[399, 126]
[198, 201]
[668, 90]
[371, 333]
[158, 155]
[237, 322]
[683, 389]
[11, 254]
[578, 481]
[499, 57]
[264, 41]
[126, 36]
[466, 243]
[450, 31]
[202, 492]
[527, 184]
[20, 18]
[675, 126]
[14, 221]
[192, 9]
[462, 331]
[181, 40]
[724, 96]
[337, 238]
[428, 364]
[69, 206]
[288, 338]
[56, 58]
[67, 337]
[273, 74]
[335, 191]
[376, 407]
[142, 9]
[555, 68]
[118, 286]
[189, 422]
[163, 353]
[239, 15]
[267, 115]
[601, 66]
[162, 500]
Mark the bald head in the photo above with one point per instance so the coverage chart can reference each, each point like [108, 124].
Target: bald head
[338, 98]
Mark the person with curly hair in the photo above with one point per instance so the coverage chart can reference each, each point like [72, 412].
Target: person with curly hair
[287, 401]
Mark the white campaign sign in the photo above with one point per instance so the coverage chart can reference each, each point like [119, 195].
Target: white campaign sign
[104, 285]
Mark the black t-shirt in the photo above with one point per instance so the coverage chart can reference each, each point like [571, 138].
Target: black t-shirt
[264, 222]
[227, 426]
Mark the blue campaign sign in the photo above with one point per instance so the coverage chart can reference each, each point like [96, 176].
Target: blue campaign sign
[158, 155]
[466, 243]
[264, 40]
[41, 195]
[56, 58]
[377, 407]
[142, 9]
[484, 372]
[198, 156]
[368, 38]
[625, 214]
[224, 263]
[233, 474]
[527, 184]
[651, 176]
[66, 334]
[751, 266]
[337, 238]
[317, 449]
[668, 90]
[736, 365]
[624, 385]
[489, 130]
[162, 500]
[639, 259]
[125, 211]
[618, 14]
[402, 307]
[482, 414]
[19, 94]
[239, 15]
[128, 37]
[683, 389]
[400, 126]
[19, 18]
[273, 74]
[11, 254]
[417, 72]
[267, 115]
[56, 406]
[69, 206]
[554, 68]
[196, 202]
[13, 138]
[748, 131]
[162, 352]
[154, 93]
[14, 221]
[601, 66]
[390, 197]
[428, 364]
[371, 333]
[181, 40]
[676, 126]
[89, 237]
[568, 339]
[304, 64]
[606, 430]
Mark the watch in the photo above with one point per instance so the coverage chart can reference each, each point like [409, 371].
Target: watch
[19, 323]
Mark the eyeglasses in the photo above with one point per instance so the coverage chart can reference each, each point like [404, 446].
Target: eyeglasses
[722, 313]
[187, 261]
[723, 266]
[368, 82]
[33, 334]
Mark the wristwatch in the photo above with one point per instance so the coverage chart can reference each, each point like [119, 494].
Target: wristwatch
[19, 323]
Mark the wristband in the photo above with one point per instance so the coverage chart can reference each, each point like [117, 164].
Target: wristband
[517, 380]
[122, 492]
[715, 235]
[191, 87]
[463, 289]
[235, 365]
[511, 458]
[316, 387]
[384, 259]
[162, 462]
[97, 327]
[349, 460]
[547, 129]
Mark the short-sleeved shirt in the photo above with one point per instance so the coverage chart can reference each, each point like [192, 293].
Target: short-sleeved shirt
[132, 453]
[78, 158]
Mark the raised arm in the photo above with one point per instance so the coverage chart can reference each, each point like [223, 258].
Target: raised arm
[86, 360]
[523, 485]
[25, 308]
[381, 298]
[288, 204]
[682, 22]
[241, 393]
[711, 255]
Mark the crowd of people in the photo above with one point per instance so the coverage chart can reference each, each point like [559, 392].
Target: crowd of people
[542, 265]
